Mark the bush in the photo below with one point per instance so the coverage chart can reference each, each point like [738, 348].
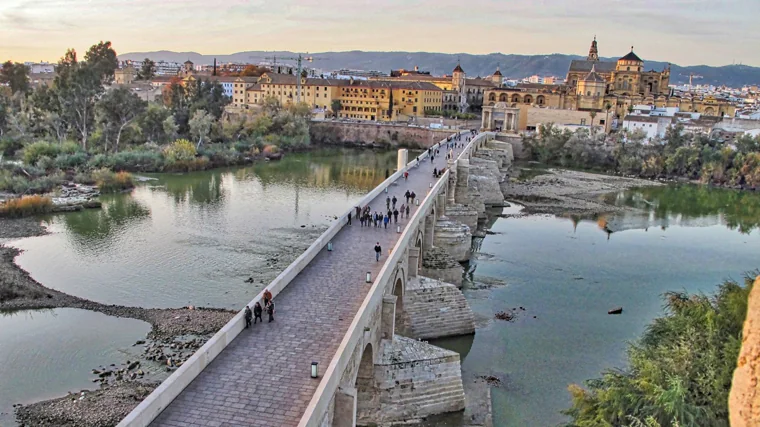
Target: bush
[99, 161]
[26, 206]
[180, 150]
[270, 149]
[136, 161]
[242, 147]
[70, 147]
[110, 182]
[192, 165]
[34, 151]
[71, 161]
[45, 163]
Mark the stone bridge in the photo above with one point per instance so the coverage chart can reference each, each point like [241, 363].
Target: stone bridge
[360, 320]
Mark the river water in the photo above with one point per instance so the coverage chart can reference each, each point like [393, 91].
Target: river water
[194, 238]
[178, 240]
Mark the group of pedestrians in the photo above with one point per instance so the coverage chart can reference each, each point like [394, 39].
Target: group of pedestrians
[258, 310]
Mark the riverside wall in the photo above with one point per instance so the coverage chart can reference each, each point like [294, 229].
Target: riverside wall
[744, 399]
[387, 135]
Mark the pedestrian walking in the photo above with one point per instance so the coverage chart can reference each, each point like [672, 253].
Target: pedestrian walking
[248, 316]
[267, 297]
[349, 217]
[270, 311]
[395, 216]
[358, 211]
[407, 211]
[257, 311]
[386, 219]
[387, 202]
[378, 249]
[435, 173]
[412, 196]
[402, 210]
[406, 176]
[407, 196]
[393, 201]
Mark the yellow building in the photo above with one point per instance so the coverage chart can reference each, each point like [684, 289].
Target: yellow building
[359, 99]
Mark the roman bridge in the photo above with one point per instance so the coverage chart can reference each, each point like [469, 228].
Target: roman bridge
[360, 320]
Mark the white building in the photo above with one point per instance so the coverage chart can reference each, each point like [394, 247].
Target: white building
[40, 67]
[648, 124]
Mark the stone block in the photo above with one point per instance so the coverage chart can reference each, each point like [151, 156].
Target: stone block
[436, 309]
[454, 237]
[438, 264]
[414, 380]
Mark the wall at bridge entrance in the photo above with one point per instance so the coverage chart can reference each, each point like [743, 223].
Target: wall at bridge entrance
[343, 133]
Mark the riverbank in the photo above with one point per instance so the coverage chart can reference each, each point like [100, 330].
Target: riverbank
[121, 388]
[567, 192]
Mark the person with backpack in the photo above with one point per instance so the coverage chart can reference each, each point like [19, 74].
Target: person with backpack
[378, 249]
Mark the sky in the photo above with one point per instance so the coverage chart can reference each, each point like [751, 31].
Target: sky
[685, 32]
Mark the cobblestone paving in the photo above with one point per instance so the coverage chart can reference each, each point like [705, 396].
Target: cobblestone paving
[263, 377]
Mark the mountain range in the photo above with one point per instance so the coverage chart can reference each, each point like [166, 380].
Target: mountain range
[511, 66]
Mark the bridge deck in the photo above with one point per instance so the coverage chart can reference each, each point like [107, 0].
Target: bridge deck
[263, 377]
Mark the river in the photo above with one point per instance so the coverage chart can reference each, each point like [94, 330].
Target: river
[193, 239]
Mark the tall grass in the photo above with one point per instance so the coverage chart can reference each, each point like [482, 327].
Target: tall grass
[26, 206]
[110, 182]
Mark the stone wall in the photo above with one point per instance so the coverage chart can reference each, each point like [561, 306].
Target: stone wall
[454, 237]
[413, 380]
[343, 133]
[744, 400]
[438, 264]
[435, 309]
[516, 142]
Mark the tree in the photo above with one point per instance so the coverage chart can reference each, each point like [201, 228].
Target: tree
[200, 125]
[592, 114]
[253, 71]
[147, 70]
[390, 104]
[681, 369]
[151, 123]
[336, 106]
[116, 109]
[171, 129]
[102, 59]
[16, 76]
[77, 85]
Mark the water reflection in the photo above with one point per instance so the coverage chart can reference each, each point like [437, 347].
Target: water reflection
[686, 205]
[96, 228]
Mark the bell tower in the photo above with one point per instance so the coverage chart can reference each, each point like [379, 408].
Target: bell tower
[593, 52]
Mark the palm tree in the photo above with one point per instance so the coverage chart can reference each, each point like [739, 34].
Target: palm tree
[593, 115]
[607, 107]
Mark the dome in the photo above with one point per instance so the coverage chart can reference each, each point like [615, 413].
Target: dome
[631, 57]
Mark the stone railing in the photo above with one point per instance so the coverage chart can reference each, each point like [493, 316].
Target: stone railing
[170, 388]
[319, 404]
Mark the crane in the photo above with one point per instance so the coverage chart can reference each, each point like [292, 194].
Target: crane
[299, 59]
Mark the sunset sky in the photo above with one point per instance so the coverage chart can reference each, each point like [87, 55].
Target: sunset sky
[686, 32]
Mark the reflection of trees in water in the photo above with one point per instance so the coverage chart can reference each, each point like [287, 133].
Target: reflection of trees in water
[328, 168]
[92, 227]
[199, 188]
[737, 209]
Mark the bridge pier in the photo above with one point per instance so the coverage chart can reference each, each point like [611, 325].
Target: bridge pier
[344, 412]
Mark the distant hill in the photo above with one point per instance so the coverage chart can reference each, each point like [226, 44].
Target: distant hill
[512, 66]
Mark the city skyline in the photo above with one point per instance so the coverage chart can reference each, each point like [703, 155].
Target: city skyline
[696, 32]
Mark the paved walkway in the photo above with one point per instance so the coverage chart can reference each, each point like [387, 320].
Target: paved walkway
[263, 377]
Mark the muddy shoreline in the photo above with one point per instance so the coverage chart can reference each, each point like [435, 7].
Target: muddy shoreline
[120, 388]
[567, 192]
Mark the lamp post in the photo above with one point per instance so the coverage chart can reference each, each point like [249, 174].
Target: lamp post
[329, 246]
[369, 277]
[314, 369]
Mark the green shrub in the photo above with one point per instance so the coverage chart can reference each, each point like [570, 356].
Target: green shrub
[45, 163]
[242, 147]
[136, 161]
[99, 161]
[34, 151]
[70, 147]
[192, 165]
[180, 150]
[9, 146]
[71, 161]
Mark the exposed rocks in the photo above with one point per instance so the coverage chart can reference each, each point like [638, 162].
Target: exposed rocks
[509, 316]
[454, 237]
[561, 192]
[491, 380]
[104, 407]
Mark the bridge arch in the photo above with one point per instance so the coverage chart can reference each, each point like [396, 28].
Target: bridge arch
[365, 385]
[398, 290]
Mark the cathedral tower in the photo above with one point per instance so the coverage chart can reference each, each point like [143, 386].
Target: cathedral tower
[593, 52]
